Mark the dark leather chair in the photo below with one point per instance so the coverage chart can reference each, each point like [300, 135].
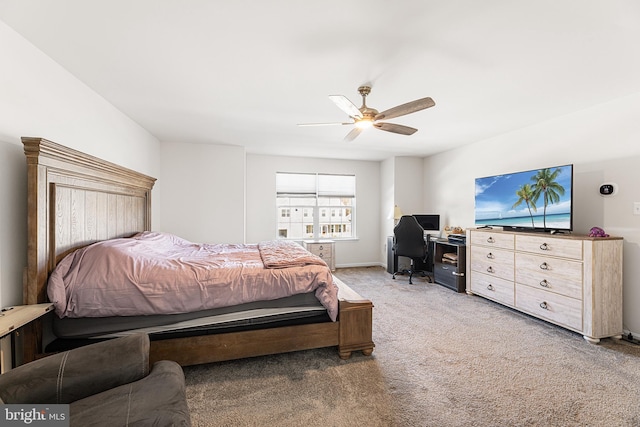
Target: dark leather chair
[409, 242]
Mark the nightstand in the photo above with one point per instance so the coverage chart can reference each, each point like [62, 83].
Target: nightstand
[12, 319]
[324, 249]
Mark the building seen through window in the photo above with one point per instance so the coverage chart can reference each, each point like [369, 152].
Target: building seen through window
[315, 206]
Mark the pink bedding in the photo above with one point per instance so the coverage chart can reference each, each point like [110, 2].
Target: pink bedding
[159, 273]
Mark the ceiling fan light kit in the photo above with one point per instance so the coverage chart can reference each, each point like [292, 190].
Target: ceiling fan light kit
[364, 123]
[365, 117]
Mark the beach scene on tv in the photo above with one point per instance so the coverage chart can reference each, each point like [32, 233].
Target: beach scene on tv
[539, 199]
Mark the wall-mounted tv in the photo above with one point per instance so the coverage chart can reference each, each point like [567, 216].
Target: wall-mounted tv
[538, 199]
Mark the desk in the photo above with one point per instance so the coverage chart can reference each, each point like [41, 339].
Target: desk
[392, 259]
[11, 320]
[448, 272]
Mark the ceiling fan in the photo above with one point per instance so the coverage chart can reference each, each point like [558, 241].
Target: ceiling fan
[365, 117]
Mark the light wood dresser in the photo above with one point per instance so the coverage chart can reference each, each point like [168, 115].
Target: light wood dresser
[325, 249]
[569, 280]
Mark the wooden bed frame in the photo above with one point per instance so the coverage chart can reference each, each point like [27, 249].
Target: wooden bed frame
[75, 199]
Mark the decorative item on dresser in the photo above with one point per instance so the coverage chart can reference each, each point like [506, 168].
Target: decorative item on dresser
[325, 249]
[569, 280]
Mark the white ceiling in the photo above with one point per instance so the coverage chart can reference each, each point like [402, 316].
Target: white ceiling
[246, 72]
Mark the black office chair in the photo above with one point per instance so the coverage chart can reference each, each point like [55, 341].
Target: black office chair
[409, 241]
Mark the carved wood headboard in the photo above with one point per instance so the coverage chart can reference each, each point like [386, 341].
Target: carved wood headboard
[73, 200]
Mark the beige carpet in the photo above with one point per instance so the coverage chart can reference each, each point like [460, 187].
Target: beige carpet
[441, 359]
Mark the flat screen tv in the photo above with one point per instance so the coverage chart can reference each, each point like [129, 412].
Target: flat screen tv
[429, 222]
[535, 200]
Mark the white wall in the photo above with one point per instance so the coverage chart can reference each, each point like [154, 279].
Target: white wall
[402, 187]
[408, 189]
[203, 192]
[387, 204]
[41, 99]
[261, 210]
[603, 144]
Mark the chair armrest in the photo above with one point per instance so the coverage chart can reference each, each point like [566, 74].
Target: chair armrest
[78, 373]
[159, 399]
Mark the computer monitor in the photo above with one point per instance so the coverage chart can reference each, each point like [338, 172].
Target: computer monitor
[429, 222]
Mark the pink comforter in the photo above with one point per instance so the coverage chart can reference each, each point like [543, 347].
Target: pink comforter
[159, 273]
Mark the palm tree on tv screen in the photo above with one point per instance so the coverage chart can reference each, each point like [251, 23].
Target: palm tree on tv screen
[526, 194]
[545, 184]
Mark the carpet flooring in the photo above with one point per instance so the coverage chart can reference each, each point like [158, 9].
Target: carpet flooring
[441, 359]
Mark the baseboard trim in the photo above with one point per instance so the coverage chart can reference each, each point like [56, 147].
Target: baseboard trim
[365, 264]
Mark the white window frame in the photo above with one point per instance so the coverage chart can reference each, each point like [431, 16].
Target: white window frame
[320, 188]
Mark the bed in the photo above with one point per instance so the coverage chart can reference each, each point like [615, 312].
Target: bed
[75, 200]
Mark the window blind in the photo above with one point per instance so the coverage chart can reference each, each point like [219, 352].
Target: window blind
[295, 184]
[336, 185]
[321, 185]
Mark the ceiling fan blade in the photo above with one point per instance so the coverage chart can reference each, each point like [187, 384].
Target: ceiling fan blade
[325, 124]
[353, 134]
[392, 127]
[409, 107]
[345, 105]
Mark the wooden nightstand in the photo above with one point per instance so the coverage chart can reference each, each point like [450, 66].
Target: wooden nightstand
[324, 249]
[12, 319]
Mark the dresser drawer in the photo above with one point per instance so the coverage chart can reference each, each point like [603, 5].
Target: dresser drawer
[497, 289]
[492, 239]
[492, 261]
[322, 249]
[553, 274]
[545, 245]
[546, 305]
[317, 248]
[448, 275]
[326, 257]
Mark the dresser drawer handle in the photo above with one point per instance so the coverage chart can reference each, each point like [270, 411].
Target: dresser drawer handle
[321, 247]
[490, 240]
[455, 273]
[490, 255]
[490, 287]
[490, 269]
[544, 266]
[545, 247]
[321, 255]
[544, 306]
[544, 283]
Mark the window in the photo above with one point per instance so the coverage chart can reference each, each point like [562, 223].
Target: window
[315, 205]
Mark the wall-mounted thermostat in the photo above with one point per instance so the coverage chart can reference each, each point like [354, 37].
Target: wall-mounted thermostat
[608, 189]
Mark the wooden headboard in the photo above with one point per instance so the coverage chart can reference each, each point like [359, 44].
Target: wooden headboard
[73, 200]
